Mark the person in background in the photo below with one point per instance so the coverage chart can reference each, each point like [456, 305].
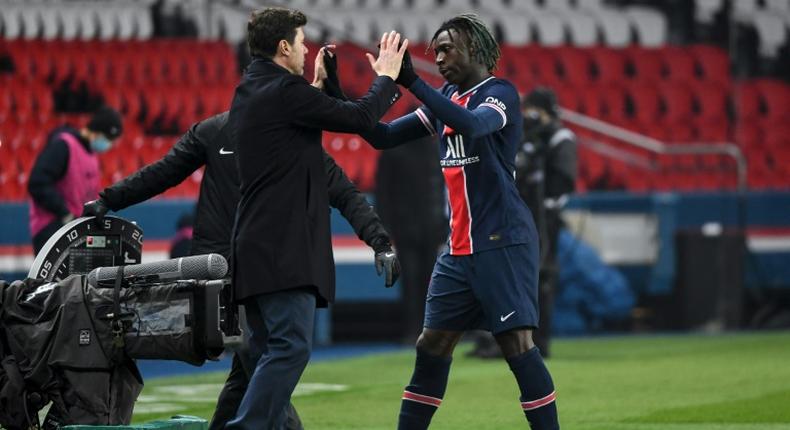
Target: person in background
[66, 173]
[416, 220]
[545, 177]
[182, 241]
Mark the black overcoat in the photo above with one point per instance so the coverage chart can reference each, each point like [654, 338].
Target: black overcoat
[281, 237]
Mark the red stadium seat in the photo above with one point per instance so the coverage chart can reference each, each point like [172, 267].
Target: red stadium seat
[574, 65]
[45, 105]
[6, 104]
[645, 101]
[646, 64]
[61, 66]
[679, 64]
[157, 71]
[711, 100]
[680, 131]
[23, 102]
[193, 70]
[748, 134]
[676, 100]
[591, 165]
[746, 101]
[111, 96]
[609, 65]
[713, 63]
[654, 130]
[138, 68]
[777, 138]
[81, 72]
[514, 65]
[568, 97]
[100, 65]
[775, 98]
[131, 102]
[712, 130]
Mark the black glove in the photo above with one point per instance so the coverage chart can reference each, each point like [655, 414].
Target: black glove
[332, 81]
[387, 263]
[96, 208]
[407, 75]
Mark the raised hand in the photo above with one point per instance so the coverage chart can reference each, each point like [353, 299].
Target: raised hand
[407, 75]
[390, 57]
[320, 72]
[332, 81]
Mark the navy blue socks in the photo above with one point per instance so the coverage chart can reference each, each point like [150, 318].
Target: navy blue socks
[537, 390]
[424, 393]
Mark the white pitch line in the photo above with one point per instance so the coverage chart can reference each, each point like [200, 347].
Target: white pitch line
[161, 399]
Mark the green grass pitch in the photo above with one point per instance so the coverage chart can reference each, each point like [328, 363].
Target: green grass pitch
[722, 382]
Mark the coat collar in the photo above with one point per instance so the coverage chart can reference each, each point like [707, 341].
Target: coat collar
[264, 65]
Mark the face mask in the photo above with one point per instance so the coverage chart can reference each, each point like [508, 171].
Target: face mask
[100, 144]
[532, 121]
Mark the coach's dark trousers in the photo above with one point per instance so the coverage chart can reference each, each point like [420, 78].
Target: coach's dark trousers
[281, 334]
[233, 391]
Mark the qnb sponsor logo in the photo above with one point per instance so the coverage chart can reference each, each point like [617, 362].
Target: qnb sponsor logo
[495, 101]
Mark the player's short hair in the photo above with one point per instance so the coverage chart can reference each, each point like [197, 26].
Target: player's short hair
[478, 38]
[268, 26]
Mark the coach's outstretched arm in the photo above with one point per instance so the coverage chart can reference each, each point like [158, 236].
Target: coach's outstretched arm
[183, 159]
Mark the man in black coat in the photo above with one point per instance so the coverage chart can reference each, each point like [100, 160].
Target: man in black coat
[207, 144]
[281, 259]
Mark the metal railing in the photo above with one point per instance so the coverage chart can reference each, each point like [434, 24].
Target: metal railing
[656, 146]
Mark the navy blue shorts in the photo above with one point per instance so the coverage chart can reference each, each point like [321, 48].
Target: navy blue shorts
[494, 290]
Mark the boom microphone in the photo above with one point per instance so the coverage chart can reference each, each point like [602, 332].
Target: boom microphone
[206, 266]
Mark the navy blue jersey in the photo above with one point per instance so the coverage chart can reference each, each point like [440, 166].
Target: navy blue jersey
[479, 132]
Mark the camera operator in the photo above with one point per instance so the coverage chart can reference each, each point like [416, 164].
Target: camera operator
[545, 176]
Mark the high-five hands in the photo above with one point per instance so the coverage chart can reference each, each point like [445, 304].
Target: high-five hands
[407, 75]
[390, 57]
[320, 67]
